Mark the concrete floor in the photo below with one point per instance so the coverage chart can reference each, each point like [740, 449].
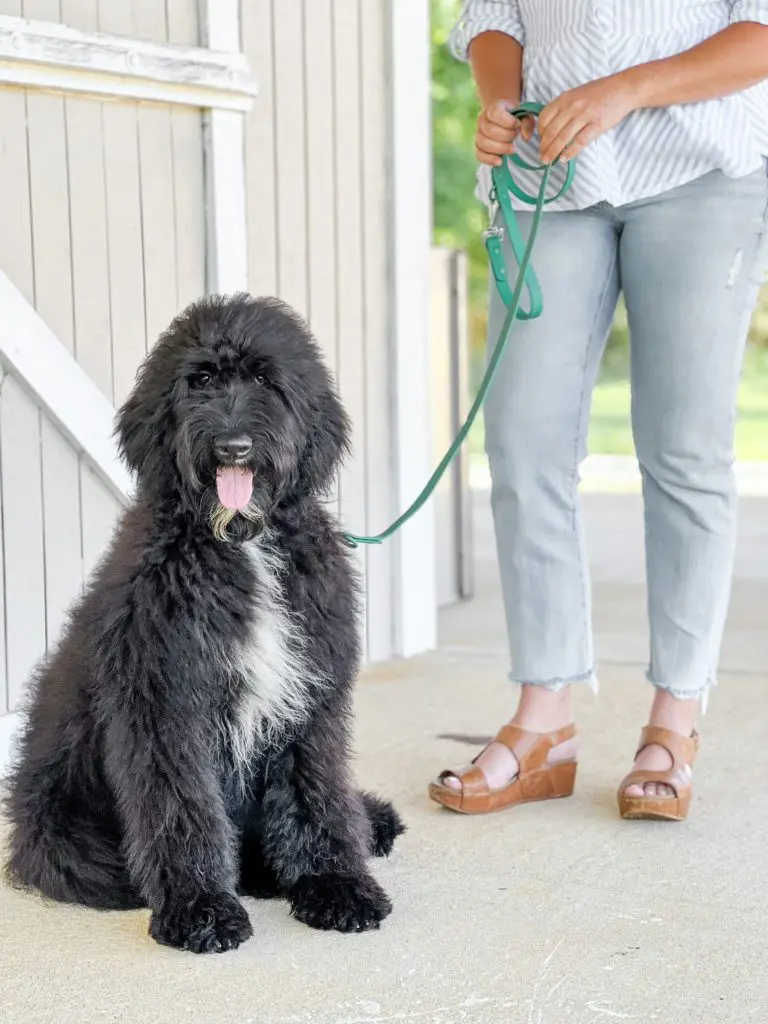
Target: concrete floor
[554, 914]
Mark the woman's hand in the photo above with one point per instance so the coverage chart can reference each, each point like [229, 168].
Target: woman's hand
[497, 130]
[579, 116]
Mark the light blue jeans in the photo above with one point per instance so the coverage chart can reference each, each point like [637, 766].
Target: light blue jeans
[689, 264]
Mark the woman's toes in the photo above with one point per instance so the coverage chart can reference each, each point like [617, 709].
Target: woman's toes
[653, 790]
[451, 782]
[634, 791]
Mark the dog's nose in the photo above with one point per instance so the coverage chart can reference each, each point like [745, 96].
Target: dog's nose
[232, 449]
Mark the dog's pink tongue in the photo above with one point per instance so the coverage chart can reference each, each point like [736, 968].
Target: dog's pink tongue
[234, 486]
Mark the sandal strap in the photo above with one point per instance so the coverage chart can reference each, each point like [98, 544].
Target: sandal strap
[473, 781]
[532, 748]
[682, 749]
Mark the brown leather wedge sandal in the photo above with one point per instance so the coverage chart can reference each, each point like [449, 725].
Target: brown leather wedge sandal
[537, 779]
[682, 750]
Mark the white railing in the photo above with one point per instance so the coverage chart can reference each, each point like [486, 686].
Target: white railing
[36, 357]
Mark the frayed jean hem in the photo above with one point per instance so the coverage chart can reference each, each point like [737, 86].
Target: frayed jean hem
[701, 694]
[557, 684]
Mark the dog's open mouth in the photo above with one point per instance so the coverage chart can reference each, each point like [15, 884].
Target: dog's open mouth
[234, 486]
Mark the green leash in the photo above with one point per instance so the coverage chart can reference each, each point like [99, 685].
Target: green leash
[503, 184]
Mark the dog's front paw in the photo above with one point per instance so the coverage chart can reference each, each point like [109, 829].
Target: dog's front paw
[206, 924]
[346, 903]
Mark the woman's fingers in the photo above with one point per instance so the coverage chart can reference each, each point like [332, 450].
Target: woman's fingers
[490, 130]
[490, 152]
[559, 136]
[494, 145]
[487, 158]
[559, 126]
[499, 113]
[497, 130]
[581, 140]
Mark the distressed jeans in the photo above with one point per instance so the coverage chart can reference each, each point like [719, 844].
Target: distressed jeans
[689, 263]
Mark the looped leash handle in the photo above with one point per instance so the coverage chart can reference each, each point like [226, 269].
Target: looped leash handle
[504, 184]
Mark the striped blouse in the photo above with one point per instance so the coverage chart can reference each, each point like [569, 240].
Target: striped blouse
[570, 42]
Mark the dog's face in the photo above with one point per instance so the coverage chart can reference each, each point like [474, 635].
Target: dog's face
[233, 412]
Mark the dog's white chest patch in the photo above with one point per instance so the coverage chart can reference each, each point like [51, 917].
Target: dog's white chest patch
[271, 662]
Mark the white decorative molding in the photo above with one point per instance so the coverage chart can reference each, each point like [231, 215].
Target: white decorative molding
[41, 54]
[415, 599]
[33, 353]
[227, 245]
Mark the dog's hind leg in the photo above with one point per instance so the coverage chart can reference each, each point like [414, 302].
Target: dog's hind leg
[386, 824]
[65, 846]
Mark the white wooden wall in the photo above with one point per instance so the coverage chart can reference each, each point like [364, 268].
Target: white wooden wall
[318, 231]
[104, 200]
[57, 517]
[165, 21]
[104, 231]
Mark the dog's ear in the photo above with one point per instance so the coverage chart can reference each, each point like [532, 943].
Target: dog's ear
[327, 444]
[144, 426]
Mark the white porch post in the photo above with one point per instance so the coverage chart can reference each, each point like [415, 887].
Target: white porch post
[227, 255]
[415, 596]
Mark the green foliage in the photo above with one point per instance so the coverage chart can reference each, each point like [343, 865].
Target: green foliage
[459, 218]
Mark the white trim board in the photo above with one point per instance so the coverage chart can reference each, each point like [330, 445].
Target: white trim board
[33, 353]
[45, 55]
[415, 596]
[224, 140]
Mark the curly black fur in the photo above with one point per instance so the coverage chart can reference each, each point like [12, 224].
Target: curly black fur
[188, 738]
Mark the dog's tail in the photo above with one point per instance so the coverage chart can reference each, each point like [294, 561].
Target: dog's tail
[386, 824]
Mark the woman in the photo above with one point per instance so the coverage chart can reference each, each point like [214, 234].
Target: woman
[666, 106]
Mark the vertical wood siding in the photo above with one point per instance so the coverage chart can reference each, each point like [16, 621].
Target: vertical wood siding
[316, 156]
[104, 233]
[165, 21]
[56, 518]
[105, 222]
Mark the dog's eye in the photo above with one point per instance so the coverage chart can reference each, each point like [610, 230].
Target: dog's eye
[261, 378]
[201, 379]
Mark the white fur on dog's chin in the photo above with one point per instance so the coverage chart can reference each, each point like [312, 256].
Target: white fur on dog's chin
[271, 662]
[221, 517]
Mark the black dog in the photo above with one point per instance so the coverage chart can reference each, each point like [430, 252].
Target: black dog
[189, 737]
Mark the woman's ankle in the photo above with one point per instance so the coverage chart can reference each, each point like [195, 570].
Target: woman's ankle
[541, 709]
[673, 713]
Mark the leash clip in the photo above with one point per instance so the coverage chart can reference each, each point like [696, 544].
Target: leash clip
[493, 230]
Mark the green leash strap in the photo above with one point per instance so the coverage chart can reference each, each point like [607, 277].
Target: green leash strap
[503, 184]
